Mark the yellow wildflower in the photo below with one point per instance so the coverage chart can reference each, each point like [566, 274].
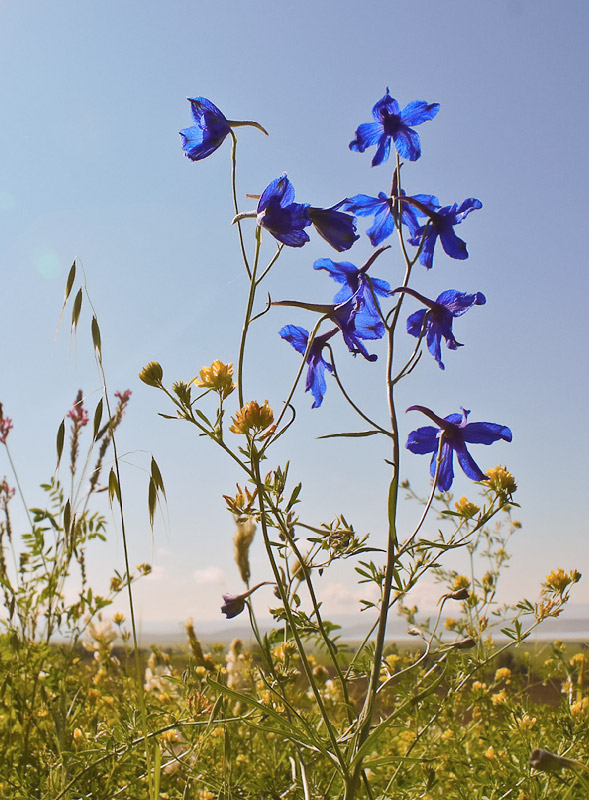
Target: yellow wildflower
[580, 708]
[254, 418]
[460, 582]
[450, 624]
[218, 378]
[558, 579]
[490, 754]
[501, 481]
[466, 509]
[499, 698]
[503, 674]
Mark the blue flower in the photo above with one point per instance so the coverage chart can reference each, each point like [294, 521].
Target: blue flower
[436, 320]
[338, 229]
[210, 129]
[383, 208]
[299, 339]
[393, 123]
[363, 289]
[281, 216]
[441, 223]
[455, 433]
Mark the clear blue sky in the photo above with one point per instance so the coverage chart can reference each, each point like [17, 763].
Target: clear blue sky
[93, 96]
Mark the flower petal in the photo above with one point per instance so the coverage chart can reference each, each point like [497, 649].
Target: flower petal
[423, 440]
[407, 143]
[419, 111]
[367, 134]
[485, 433]
[469, 466]
[446, 471]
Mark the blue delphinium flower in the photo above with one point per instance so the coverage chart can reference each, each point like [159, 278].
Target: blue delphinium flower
[359, 285]
[436, 320]
[281, 216]
[456, 433]
[210, 129]
[286, 220]
[441, 224]
[393, 123]
[337, 228]
[383, 208]
[299, 338]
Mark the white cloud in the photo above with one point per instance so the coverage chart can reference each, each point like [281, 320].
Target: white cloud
[211, 576]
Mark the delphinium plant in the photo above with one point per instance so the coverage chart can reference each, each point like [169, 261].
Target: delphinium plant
[341, 717]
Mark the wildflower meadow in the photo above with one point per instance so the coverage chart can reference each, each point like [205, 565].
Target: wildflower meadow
[467, 703]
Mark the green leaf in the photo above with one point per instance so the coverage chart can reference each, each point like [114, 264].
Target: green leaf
[151, 500]
[67, 517]
[60, 440]
[97, 418]
[96, 336]
[77, 309]
[157, 476]
[355, 435]
[70, 282]
[114, 490]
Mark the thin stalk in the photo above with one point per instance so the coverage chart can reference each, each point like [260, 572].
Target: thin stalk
[248, 313]
[235, 204]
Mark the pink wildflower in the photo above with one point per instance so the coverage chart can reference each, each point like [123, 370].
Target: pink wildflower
[5, 426]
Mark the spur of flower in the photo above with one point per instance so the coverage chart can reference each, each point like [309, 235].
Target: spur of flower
[393, 123]
[455, 433]
[209, 130]
[440, 224]
[435, 321]
[286, 220]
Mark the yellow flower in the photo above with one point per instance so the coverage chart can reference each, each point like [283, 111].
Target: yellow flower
[501, 481]
[460, 582]
[558, 579]
[579, 660]
[490, 754]
[466, 509]
[450, 624]
[218, 378]
[253, 418]
[447, 735]
[118, 618]
[580, 709]
[503, 674]
[152, 374]
[499, 698]
[78, 735]
[527, 722]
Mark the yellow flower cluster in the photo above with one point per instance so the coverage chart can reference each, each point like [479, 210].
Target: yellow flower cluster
[466, 509]
[253, 418]
[503, 674]
[558, 579]
[460, 582]
[501, 481]
[217, 377]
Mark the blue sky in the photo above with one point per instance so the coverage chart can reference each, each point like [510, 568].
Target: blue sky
[93, 97]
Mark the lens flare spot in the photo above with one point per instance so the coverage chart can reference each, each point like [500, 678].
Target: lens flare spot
[47, 263]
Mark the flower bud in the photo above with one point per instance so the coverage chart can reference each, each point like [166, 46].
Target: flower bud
[152, 374]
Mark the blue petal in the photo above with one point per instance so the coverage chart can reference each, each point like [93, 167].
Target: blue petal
[367, 134]
[384, 225]
[200, 105]
[385, 106]
[453, 245]
[337, 228]
[363, 205]
[297, 336]
[280, 190]
[469, 466]
[459, 302]
[423, 440]
[464, 209]
[485, 433]
[415, 322]
[407, 143]
[342, 272]
[433, 344]
[446, 471]
[382, 151]
[426, 257]
[419, 111]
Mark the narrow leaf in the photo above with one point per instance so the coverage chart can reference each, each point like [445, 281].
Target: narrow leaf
[96, 336]
[114, 490]
[97, 418]
[70, 282]
[157, 476]
[151, 500]
[77, 309]
[350, 435]
[60, 440]
[67, 517]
